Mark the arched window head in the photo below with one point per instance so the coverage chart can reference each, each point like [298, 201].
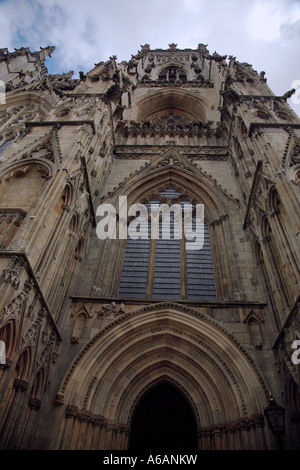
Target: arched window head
[274, 201]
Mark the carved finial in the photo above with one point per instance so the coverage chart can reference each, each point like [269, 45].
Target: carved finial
[173, 47]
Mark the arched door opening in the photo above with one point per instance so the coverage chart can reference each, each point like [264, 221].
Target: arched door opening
[163, 421]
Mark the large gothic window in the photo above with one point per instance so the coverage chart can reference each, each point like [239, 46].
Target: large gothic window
[163, 268]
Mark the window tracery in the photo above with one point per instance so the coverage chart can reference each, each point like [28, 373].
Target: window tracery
[163, 267]
[173, 74]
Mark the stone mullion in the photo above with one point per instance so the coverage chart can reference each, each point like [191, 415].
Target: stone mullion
[183, 269]
[152, 255]
[151, 269]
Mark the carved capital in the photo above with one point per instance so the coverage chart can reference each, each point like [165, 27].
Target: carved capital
[75, 340]
[20, 385]
[59, 399]
[72, 412]
[7, 364]
[34, 403]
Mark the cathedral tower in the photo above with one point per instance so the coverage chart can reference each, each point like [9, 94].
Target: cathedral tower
[116, 339]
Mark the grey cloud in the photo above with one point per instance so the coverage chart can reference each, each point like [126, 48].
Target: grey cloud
[290, 30]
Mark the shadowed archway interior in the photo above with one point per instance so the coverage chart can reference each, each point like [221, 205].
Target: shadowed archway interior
[163, 421]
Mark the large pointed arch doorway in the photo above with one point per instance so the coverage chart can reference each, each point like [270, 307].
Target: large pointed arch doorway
[163, 421]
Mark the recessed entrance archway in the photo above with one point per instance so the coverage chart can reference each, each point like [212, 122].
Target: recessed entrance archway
[163, 342]
[163, 421]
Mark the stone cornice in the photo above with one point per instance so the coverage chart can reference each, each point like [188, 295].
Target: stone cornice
[57, 124]
[272, 125]
[204, 152]
[192, 303]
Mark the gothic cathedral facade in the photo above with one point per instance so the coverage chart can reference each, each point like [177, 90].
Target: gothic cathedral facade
[123, 342]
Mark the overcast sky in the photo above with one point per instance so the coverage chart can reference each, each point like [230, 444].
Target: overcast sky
[264, 33]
